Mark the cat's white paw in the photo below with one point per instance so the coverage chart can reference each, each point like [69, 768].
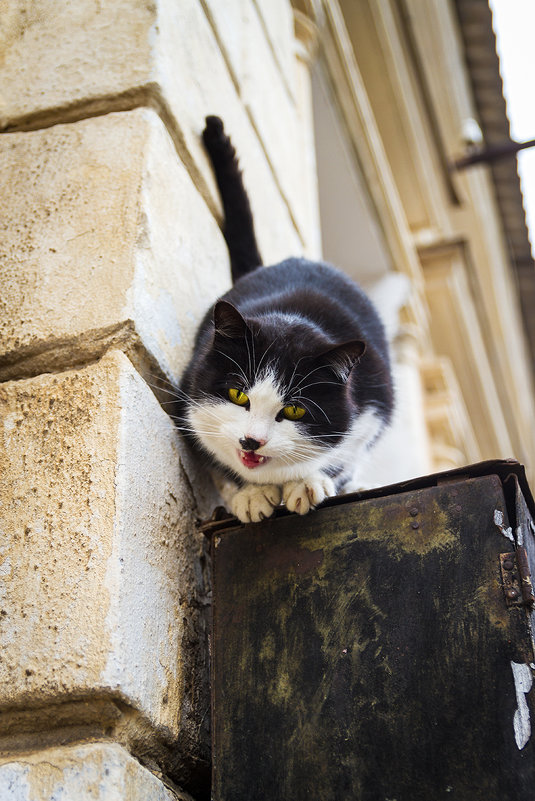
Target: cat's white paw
[255, 502]
[301, 496]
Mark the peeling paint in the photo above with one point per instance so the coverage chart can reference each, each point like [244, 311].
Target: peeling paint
[521, 721]
[498, 520]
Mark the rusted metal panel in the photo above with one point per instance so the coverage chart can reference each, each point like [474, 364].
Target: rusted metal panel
[366, 651]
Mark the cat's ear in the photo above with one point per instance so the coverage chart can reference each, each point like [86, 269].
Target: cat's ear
[228, 322]
[342, 358]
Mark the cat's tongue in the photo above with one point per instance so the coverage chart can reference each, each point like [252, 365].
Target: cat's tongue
[252, 459]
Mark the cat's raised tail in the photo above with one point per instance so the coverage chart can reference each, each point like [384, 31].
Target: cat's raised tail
[239, 227]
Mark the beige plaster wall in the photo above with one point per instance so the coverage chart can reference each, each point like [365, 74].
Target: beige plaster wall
[110, 252]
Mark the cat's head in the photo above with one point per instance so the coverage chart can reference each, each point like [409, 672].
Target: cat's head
[269, 395]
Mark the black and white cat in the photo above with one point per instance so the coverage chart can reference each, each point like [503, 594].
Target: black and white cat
[289, 383]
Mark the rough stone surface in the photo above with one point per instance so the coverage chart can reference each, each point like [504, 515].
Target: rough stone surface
[101, 568]
[93, 772]
[58, 54]
[259, 46]
[116, 55]
[110, 253]
[195, 81]
[102, 234]
[278, 18]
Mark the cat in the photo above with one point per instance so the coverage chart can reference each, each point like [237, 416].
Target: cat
[290, 381]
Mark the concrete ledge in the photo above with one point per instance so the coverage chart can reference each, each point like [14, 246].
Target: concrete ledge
[90, 772]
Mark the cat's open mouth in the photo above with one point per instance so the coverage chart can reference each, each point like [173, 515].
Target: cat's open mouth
[251, 459]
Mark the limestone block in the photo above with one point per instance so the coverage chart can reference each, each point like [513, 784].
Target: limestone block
[63, 61]
[103, 238]
[263, 62]
[236, 23]
[58, 54]
[278, 19]
[198, 83]
[92, 772]
[100, 563]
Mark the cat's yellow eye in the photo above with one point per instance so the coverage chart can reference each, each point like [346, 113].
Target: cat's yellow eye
[238, 397]
[293, 412]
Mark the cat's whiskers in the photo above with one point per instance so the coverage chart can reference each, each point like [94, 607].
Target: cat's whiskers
[249, 360]
[179, 395]
[199, 432]
[310, 372]
[319, 383]
[290, 382]
[257, 368]
[307, 453]
[327, 435]
[161, 380]
[209, 427]
[174, 392]
[242, 373]
[285, 459]
[235, 375]
[253, 367]
[168, 403]
[324, 413]
[297, 453]
[204, 407]
[305, 449]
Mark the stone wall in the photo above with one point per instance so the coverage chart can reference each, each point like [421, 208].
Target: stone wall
[110, 251]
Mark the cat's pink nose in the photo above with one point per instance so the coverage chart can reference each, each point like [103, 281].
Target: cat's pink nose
[250, 444]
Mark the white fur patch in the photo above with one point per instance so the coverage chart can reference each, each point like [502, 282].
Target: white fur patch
[352, 452]
[220, 425]
[292, 460]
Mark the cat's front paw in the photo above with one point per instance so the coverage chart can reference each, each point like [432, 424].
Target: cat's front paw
[253, 503]
[301, 496]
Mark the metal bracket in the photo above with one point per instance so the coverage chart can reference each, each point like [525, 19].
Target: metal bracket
[492, 153]
[516, 578]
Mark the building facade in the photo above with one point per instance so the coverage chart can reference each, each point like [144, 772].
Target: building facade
[347, 116]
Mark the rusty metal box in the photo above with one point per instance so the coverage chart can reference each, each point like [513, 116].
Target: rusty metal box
[380, 648]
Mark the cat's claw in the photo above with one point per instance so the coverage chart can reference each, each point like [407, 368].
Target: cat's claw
[253, 503]
[302, 496]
